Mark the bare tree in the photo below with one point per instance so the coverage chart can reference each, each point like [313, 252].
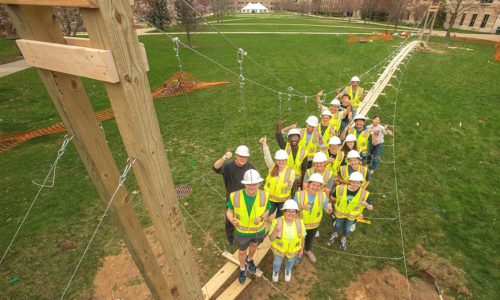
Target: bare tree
[158, 14]
[348, 7]
[10, 30]
[368, 8]
[456, 8]
[219, 9]
[69, 19]
[186, 16]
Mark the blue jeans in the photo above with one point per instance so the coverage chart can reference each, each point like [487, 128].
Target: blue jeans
[344, 224]
[374, 156]
[276, 206]
[278, 260]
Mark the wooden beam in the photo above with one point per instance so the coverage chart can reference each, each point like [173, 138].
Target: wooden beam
[67, 3]
[111, 28]
[84, 42]
[80, 61]
[68, 94]
[220, 278]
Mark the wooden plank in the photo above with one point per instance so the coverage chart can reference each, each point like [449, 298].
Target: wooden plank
[111, 28]
[84, 42]
[80, 61]
[68, 3]
[218, 280]
[68, 94]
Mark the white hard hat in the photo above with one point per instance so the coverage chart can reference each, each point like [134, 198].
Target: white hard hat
[335, 102]
[293, 131]
[290, 204]
[242, 151]
[281, 154]
[326, 112]
[251, 177]
[353, 154]
[356, 176]
[355, 78]
[360, 117]
[316, 177]
[350, 138]
[312, 121]
[319, 157]
[334, 140]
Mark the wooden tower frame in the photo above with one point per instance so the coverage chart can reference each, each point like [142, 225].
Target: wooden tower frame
[113, 55]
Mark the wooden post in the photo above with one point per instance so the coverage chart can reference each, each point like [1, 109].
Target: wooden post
[111, 28]
[68, 94]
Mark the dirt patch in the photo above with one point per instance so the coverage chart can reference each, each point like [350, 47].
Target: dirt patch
[66, 245]
[389, 284]
[119, 278]
[446, 274]
[303, 279]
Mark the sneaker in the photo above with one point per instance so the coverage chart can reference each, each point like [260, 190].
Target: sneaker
[353, 227]
[311, 256]
[372, 171]
[288, 275]
[276, 276]
[230, 239]
[243, 276]
[298, 260]
[317, 234]
[331, 240]
[343, 245]
[251, 266]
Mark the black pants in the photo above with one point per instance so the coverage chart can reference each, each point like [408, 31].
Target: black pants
[311, 233]
[229, 228]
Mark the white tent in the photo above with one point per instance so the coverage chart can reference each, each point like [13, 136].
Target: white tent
[254, 8]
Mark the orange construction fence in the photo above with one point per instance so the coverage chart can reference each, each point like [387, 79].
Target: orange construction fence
[177, 84]
[363, 39]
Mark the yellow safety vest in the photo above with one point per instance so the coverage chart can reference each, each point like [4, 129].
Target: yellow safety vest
[287, 246]
[246, 223]
[312, 218]
[327, 174]
[335, 121]
[344, 172]
[352, 209]
[296, 163]
[335, 165]
[361, 140]
[277, 186]
[355, 99]
[312, 146]
[329, 132]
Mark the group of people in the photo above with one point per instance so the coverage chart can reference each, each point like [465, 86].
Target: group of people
[324, 167]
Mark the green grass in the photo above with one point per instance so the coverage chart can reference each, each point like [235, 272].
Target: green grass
[9, 51]
[447, 174]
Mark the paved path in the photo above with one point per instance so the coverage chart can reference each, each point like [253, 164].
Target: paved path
[13, 67]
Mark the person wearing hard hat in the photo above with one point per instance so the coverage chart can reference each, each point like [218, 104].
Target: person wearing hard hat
[326, 129]
[232, 172]
[247, 210]
[280, 180]
[355, 92]
[312, 202]
[350, 143]
[349, 202]
[337, 114]
[353, 165]
[287, 235]
[310, 139]
[375, 152]
[335, 156]
[319, 166]
[363, 135]
[297, 154]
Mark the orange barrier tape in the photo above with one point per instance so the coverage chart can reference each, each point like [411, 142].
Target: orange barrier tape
[177, 84]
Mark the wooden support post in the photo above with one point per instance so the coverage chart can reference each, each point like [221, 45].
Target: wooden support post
[68, 94]
[111, 28]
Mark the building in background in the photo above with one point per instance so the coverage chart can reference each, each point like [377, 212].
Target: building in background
[481, 16]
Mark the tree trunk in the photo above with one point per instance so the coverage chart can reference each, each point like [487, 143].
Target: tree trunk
[188, 33]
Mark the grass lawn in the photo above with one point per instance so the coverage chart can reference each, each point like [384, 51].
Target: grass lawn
[447, 173]
[9, 51]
